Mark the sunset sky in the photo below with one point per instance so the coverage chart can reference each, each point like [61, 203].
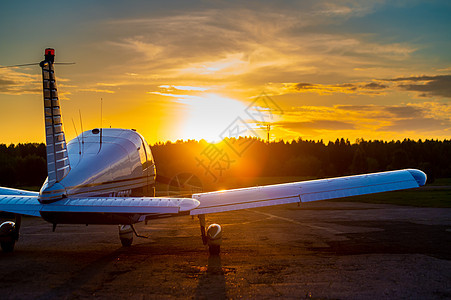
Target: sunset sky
[210, 69]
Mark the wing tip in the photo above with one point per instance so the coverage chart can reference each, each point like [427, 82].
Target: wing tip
[419, 176]
[188, 204]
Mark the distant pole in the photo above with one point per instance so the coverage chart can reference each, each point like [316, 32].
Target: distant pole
[268, 129]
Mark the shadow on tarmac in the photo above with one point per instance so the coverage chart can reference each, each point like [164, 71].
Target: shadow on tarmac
[396, 237]
[212, 283]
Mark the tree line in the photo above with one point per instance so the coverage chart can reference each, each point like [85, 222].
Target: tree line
[306, 158]
[24, 165]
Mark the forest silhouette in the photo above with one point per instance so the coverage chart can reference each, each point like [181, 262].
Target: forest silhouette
[24, 165]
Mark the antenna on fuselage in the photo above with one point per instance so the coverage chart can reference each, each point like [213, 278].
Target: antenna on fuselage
[76, 133]
[101, 104]
[82, 139]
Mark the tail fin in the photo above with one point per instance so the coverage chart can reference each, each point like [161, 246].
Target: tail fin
[57, 157]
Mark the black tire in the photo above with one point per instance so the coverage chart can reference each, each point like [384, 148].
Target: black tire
[214, 249]
[126, 242]
[8, 246]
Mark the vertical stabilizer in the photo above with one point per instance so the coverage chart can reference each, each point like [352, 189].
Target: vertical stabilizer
[57, 158]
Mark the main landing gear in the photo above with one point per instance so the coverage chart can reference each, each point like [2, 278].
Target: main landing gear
[9, 233]
[212, 236]
[126, 233]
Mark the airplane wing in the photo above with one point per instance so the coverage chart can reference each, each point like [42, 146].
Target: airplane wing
[306, 191]
[19, 201]
[11, 191]
[131, 205]
[29, 205]
[24, 202]
[23, 205]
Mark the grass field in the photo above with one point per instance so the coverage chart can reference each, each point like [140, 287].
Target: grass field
[422, 197]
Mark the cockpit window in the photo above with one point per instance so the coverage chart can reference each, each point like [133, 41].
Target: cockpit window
[149, 152]
[142, 156]
[145, 155]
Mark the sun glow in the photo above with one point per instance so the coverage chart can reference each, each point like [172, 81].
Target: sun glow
[209, 115]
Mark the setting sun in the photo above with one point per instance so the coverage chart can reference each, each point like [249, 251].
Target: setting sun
[208, 115]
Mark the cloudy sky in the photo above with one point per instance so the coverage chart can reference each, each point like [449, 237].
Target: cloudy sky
[209, 69]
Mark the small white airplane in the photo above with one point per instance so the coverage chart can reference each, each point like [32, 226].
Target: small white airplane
[107, 176]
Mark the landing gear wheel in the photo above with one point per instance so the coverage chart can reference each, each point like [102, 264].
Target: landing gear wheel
[126, 242]
[214, 249]
[126, 235]
[8, 246]
[9, 233]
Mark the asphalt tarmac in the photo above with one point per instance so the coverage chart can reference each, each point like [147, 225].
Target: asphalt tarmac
[322, 250]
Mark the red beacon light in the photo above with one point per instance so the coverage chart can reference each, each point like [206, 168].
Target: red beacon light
[49, 51]
[50, 55]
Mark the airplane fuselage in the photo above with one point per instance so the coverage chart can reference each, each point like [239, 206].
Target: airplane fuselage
[104, 163]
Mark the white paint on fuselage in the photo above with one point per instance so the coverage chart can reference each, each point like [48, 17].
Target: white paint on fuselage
[115, 165]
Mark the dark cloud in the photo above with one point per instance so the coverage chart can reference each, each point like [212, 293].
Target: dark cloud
[8, 86]
[363, 88]
[417, 124]
[394, 111]
[416, 78]
[305, 86]
[6, 82]
[401, 119]
[358, 107]
[439, 85]
[404, 111]
[348, 86]
[375, 86]
[316, 124]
